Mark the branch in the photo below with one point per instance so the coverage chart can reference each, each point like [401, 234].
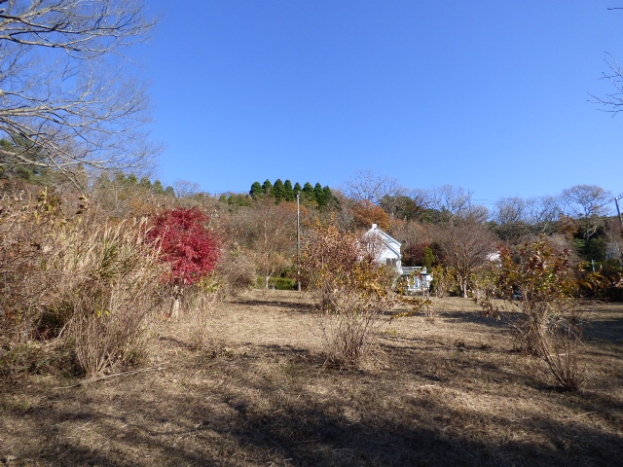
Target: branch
[116, 375]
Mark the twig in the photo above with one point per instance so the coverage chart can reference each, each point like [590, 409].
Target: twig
[116, 375]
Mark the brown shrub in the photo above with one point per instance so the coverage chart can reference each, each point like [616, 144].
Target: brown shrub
[85, 280]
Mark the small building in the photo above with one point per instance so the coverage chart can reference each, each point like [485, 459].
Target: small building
[387, 253]
[385, 248]
[418, 278]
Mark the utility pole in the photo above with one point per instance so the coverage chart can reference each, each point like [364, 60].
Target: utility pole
[616, 202]
[298, 241]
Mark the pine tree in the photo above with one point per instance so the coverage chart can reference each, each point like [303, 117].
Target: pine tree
[289, 191]
[279, 191]
[267, 187]
[319, 195]
[256, 190]
[145, 183]
[158, 188]
[308, 191]
[329, 199]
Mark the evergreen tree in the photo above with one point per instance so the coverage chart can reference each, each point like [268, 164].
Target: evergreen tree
[103, 181]
[319, 195]
[256, 190]
[289, 191]
[14, 167]
[267, 188]
[279, 191]
[297, 188]
[158, 188]
[308, 191]
[145, 183]
[329, 199]
[120, 179]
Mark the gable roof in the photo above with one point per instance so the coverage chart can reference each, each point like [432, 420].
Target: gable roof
[388, 241]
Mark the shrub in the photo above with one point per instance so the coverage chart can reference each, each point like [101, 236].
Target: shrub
[189, 249]
[278, 283]
[354, 290]
[237, 270]
[85, 281]
[538, 280]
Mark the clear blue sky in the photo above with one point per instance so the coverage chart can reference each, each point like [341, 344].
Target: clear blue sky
[488, 95]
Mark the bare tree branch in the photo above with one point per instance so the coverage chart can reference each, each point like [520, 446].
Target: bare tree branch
[61, 85]
[612, 102]
[365, 185]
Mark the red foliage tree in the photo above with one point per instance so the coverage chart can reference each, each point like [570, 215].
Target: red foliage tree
[192, 250]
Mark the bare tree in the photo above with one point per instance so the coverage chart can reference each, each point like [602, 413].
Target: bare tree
[61, 94]
[466, 246]
[587, 204]
[186, 189]
[365, 185]
[268, 231]
[544, 213]
[511, 214]
[454, 200]
[614, 237]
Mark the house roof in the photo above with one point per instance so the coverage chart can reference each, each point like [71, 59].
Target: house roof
[388, 241]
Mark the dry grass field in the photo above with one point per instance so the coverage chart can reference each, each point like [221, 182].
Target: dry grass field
[256, 393]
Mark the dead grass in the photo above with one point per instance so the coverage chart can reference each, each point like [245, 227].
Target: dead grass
[257, 394]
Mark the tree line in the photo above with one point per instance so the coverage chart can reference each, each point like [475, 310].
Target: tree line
[286, 191]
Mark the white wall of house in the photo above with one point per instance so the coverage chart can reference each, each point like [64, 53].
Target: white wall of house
[387, 249]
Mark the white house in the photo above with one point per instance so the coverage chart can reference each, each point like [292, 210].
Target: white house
[386, 248]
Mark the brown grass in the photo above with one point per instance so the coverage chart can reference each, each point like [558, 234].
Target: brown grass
[257, 394]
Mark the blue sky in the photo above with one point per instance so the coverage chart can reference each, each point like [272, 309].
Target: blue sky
[488, 95]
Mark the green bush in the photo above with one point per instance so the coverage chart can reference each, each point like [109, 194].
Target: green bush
[278, 283]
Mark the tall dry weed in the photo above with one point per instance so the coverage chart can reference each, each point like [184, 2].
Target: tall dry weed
[83, 279]
[113, 287]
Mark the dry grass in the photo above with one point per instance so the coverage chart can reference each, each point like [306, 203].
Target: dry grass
[257, 394]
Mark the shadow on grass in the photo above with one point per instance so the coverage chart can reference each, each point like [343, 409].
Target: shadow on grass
[306, 308]
[473, 317]
[291, 427]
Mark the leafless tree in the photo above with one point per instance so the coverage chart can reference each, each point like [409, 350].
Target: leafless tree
[421, 197]
[365, 185]
[544, 212]
[186, 189]
[466, 246]
[61, 86]
[511, 214]
[455, 200]
[586, 204]
[268, 231]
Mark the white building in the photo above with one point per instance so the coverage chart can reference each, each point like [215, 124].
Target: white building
[387, 252]
[385, 248]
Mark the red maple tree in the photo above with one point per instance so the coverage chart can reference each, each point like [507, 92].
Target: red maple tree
[186, 244]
